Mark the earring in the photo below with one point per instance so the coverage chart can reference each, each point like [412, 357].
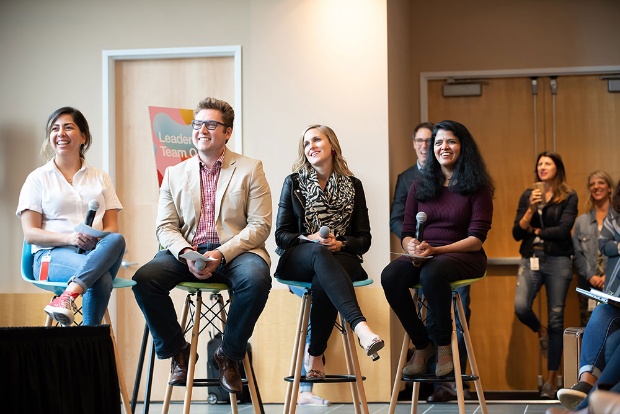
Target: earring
[333, 151]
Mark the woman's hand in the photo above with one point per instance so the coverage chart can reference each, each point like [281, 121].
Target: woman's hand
[597, 281]
[83, 241]
[330, 242]
[536, 198]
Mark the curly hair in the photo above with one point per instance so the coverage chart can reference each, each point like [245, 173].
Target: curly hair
[470, 171]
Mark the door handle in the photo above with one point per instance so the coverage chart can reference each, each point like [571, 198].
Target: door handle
[125, 264]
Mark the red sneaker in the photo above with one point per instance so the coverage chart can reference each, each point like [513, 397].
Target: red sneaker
[62, 309]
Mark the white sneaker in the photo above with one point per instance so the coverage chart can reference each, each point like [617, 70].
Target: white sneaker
[310, 399]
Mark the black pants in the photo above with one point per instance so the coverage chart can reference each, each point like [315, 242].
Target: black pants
[332, 290]
[435, 276]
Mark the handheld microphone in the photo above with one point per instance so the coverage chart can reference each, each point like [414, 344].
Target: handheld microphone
[419, 228]
[200, 264]
[324, 232]
[93, 206]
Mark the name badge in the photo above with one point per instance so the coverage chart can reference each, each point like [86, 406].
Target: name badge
[534, 263]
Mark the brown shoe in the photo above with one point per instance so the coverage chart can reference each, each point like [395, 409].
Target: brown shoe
[230, 379]
[178, 366]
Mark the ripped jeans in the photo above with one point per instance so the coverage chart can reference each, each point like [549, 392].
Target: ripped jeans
[556, 273]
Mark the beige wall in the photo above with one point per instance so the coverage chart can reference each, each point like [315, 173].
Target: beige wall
[476, 35]
[303, 62]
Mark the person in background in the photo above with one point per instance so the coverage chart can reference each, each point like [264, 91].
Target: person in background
[543, 224]
[442, 391]
[588, 260]
[602, 334]
[322, 192]
[217, 203]
[456, 193]
[53, 201]
[421, 141]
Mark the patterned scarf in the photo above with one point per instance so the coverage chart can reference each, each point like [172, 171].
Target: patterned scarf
[332, 207]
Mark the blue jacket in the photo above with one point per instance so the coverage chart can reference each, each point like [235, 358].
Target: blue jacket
[585, 241]
[608, 243]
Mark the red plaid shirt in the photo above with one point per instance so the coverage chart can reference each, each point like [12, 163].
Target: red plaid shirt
[206, 231]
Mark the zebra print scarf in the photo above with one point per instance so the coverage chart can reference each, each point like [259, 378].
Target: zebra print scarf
[332, 207]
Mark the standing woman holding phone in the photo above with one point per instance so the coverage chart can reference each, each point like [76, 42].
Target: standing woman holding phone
[543, 223]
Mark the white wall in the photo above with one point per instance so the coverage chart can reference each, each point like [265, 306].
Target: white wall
[303, 62]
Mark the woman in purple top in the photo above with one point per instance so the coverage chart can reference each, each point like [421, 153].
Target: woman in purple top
[455, 191]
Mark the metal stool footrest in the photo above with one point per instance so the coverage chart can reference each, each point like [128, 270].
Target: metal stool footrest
[207, 382]
[329, 378]
[434, 378]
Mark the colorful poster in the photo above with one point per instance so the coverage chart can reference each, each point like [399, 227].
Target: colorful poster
[172, 137]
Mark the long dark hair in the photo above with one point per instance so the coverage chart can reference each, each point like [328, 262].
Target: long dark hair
[470, 171]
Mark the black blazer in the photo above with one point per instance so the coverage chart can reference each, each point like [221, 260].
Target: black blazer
[403, 184]
[291, 214]
[558, 220]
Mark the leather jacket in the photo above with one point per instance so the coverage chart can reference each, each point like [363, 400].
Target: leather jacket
[291, 214]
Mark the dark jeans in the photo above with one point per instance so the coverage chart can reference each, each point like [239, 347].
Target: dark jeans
[332, 290]
[435, 277]
[465, 299]
[248, 277]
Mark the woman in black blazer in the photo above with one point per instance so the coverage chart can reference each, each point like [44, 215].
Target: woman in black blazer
[322, 230]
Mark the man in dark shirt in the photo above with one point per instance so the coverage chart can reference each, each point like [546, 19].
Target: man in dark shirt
[443, 391]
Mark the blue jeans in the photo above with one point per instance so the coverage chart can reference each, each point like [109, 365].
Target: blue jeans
[555, 272]
[248, 277]
[600, 339]
[94, 271]
[609, 379]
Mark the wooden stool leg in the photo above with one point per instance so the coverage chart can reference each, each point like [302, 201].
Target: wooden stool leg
[249, 373]
[456, 359]
[402, 360]
[168, 395]
[471, 357]
[292, 389]
[357, 388]
[191, 365]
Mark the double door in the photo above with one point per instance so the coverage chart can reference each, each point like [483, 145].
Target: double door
[512, 121]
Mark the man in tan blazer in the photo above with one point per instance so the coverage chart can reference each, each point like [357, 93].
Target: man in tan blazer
[217, 203]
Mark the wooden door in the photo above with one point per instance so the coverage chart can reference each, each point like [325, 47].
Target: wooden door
[511, 125]
[175, 83]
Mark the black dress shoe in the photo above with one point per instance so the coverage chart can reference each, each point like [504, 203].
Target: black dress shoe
[230, 379]
[178, 366]
[446, 391]
[443, 392]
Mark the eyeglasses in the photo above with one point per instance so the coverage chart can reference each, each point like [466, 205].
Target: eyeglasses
[421, 141]
[211, 125]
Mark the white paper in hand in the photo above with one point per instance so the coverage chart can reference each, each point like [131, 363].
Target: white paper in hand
[194, 255]
[83, 228]
[304, 238]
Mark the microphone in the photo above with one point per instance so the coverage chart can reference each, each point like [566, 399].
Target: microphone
[324, 232]
[200, 264]
[93, 206]
[419, 228]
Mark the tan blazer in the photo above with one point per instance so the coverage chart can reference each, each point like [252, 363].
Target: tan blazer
[242, 206]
